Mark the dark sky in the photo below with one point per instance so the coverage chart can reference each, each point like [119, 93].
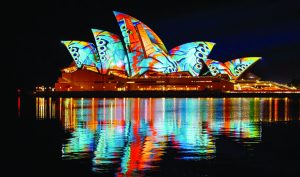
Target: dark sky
[269, 29]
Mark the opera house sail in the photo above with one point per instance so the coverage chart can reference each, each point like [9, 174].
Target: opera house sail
[233, 68]
[83, 53]
[137, 59]
[111, 51]
[191, 56]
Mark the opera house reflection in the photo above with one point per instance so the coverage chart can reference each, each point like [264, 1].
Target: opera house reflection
[133, 134]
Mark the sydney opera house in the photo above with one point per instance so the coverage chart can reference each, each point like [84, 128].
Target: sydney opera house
[145, 64]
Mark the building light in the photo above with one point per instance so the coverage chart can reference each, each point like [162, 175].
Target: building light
[203, 81]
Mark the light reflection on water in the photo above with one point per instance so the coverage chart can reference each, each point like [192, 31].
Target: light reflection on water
[133, 134]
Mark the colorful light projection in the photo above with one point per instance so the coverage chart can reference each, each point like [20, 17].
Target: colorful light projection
[144, 47]
[240, 65]
[133, 44]
[146, 52]
[233, 68]
[190, 56]
[111, 51]
[156, 58]
[158, 61]
[152, 35]
[83, 53]
[216, 67]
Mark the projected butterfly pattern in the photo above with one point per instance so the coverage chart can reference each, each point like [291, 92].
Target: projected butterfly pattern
[144, 51]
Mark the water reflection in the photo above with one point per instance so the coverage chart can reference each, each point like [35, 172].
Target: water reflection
[45, 108]
[19, 106]
[131, 135]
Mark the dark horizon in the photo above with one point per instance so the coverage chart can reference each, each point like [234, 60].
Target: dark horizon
[268, 29]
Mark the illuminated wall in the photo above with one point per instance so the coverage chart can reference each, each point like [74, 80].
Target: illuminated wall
[156, 59]
[238, 66]
[216, 67]
[152, 35]
[145, 50]
[190, 56]
[233, 68]
[111, 51]
[83, 53]
[132, 42]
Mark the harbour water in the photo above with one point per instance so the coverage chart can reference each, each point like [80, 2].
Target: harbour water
[157, 136]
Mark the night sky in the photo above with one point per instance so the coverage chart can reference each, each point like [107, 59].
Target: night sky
[269, 29]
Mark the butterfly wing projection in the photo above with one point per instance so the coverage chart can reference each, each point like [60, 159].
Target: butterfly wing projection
[132, 43]
[111, 51]
[190, 56]
[152, 35]
[83, 53]
[156, 59]
[238, 66]
[233, 68]
[216, 67]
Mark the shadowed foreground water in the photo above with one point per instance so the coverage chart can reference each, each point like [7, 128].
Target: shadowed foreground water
[158, 136]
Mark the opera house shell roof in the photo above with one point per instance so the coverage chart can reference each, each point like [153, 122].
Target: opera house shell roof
[141, 50]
